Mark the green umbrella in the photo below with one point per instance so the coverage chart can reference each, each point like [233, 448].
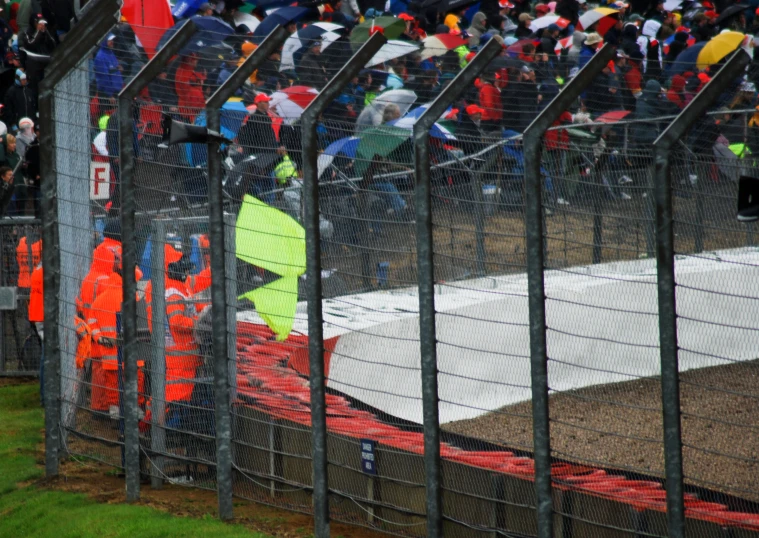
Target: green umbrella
[382, 140]
[391, 28]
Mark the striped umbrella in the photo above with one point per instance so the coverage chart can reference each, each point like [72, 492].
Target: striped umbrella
[291, 102]
[439, 44]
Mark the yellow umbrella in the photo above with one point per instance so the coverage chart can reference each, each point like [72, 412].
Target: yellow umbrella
[718, 47]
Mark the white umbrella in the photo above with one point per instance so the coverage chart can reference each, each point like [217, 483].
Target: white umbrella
[405, 99]
[391, 50]
[545, 22]
[294, 43]
[247, 19]
[672, 5]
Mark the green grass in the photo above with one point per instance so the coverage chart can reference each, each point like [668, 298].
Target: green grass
[35, 511]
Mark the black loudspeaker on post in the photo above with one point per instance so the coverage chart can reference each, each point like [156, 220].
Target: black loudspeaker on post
[177, 132]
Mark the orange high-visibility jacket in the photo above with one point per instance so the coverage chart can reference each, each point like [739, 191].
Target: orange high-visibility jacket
[182, 354]
[197, 284]
[100, 271]
[36, 304]
[170, 255]
[102, 322]
[84, 345]
[25, 264]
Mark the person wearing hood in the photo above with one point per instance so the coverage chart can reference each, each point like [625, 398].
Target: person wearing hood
[651, 105]
[188, 83]
[628, 41]
[478, 27]
[37, 38]
[676, 92]
[311, 71]
[651, 49]
[107, 69]
[578, 39]
[492, 11]
[20, 100]
[25, 135]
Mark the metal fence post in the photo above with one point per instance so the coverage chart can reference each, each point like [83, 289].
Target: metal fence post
[426, 272]
[158, 345]
[313, 274]
[665, 272]
[218, 267]
[533, 149]
[90, 29]
[129, 248]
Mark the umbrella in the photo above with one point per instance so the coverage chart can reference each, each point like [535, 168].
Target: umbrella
[672, 5]
[345, 146]
[182, 9]
[613, 117]
[247, 20]
[441, 129]
[211, 31]
[718, 47]
[391, 50]
[565, 43]
[300, 39]
[516, 49]
[281, 16]
[686, 60]
[589, 18]
[405, 99]
[148, 21]
[291, 102]
[439, 44]
[731, 11]
[390, 27]
[382, 140]
[545, 22]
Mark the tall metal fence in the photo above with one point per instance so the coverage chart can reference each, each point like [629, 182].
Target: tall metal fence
[407, 329]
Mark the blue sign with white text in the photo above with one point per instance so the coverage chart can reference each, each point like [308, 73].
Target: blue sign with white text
[368, 459]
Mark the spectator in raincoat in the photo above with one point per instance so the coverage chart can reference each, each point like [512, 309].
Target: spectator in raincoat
[107, 69]
[189, 86]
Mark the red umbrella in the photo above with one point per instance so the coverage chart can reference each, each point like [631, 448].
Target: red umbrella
[516, 49]
[612, 117]
[149, 19]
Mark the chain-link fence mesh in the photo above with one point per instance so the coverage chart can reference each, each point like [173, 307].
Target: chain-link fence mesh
[600, 286]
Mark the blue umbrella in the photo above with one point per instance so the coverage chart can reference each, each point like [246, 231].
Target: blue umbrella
[185, 8]
[282, 16]
[211, 31]
[686, 60]
[345, 146]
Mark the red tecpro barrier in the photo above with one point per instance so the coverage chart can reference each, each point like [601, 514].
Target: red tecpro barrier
[266, 373]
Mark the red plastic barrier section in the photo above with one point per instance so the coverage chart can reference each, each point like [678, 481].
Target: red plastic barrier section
[264, 373]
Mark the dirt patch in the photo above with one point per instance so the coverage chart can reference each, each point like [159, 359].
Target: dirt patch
[103, 484]
[14, 381]
[619, 426]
